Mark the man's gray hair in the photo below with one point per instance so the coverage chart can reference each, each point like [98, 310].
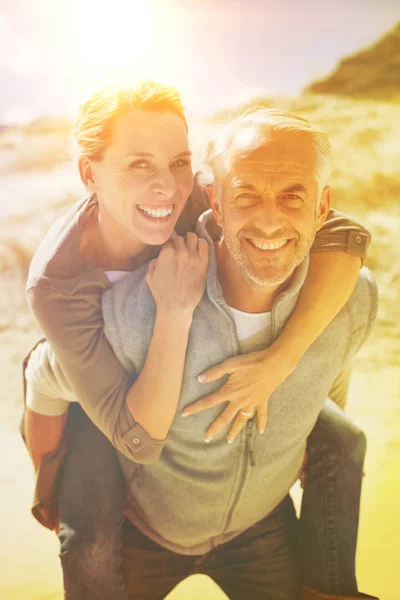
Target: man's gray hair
[253, 129]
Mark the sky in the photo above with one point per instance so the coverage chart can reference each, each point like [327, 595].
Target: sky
[216, 52]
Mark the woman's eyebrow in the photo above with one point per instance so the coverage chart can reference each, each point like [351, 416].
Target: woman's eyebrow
[187, 153]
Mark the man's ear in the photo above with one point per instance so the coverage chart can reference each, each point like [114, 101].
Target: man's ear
[214, 203]
[87, 174]
[324, 206]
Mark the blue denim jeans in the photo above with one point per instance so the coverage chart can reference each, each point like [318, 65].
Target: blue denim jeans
[260, 564]
[91, 496]
[102, 561]
[328, 524]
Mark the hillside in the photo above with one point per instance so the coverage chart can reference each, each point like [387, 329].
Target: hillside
[373, 72]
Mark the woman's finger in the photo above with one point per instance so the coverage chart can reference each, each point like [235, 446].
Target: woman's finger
[225, 368]
[237, 426]
[220, 422]
[262, 417]
[179, 243]
[191, 242]
[204, 404]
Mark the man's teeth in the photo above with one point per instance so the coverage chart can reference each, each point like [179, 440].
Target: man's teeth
[268, 246]
[158, 213]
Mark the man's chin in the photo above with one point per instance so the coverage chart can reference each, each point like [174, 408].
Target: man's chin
[268, 277]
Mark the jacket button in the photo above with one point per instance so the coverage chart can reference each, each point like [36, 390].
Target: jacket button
[136, 441]
[358, 239]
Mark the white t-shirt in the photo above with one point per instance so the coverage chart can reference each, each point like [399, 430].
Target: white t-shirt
[250, 324]
[115, 276]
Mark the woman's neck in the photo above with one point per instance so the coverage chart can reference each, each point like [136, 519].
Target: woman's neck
[105, 244]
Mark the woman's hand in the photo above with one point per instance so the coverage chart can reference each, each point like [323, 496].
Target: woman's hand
[177, 278]
[252, 380]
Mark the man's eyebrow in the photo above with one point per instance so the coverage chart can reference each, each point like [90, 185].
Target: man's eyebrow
[295, 187]
[243, 185]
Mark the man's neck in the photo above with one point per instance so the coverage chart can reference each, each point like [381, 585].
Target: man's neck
[239, 291]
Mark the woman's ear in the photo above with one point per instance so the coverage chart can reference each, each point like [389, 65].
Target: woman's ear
[86, 173]
[215, 202]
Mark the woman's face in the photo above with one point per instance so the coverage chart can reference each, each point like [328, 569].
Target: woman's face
[145, 175]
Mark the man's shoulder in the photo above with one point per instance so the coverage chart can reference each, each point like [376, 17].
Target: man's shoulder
[129, 302]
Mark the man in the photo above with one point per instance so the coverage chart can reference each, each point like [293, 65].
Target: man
[224, 509]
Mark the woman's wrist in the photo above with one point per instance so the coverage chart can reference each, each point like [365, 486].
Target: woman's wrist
[285, 353]
[174, 317]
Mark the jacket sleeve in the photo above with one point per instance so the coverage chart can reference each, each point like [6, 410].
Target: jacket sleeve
[77, 354]
[340, 233]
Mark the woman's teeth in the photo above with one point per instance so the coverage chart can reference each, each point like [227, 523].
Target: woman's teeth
[158, 213]
[268, 246]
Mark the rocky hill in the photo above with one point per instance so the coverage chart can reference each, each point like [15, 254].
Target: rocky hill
[374, 72]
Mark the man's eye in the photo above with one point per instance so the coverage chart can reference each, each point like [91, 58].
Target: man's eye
[292, 200]
[247, 196]
[139, 164]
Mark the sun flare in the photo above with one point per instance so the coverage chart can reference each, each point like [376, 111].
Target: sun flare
[118, 41]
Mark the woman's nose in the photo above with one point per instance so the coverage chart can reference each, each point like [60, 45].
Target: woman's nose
[165, 184]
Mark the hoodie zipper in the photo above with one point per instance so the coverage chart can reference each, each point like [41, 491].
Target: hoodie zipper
[249, 433]
[248, 458]
[249, 437]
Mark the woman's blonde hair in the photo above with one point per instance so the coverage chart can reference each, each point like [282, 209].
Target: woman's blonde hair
[94, 125]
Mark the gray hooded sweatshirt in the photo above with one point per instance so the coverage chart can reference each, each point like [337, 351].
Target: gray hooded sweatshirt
[197, 495]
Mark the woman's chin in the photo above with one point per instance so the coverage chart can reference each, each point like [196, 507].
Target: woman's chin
[156, 238]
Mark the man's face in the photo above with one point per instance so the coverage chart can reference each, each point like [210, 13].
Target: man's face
[145, 176]
[269, 213]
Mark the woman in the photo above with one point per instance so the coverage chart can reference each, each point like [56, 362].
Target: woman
[135, 164]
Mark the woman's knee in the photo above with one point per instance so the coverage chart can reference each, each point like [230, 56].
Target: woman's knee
[87, 551]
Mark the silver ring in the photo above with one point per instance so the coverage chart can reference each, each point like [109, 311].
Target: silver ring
[247, 414]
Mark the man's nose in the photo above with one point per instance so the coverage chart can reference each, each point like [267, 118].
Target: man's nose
[165, 184]
[268, 217]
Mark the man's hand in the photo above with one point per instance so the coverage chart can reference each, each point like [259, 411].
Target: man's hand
[252, 380]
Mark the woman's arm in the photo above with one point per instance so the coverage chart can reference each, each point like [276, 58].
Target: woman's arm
[336, 256]
[178, 283]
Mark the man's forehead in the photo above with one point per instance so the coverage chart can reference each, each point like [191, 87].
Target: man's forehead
[274, 153]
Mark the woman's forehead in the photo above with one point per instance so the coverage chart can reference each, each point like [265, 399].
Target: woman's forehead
[142, 130]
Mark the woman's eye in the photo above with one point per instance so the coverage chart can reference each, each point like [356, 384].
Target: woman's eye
[181, 163]
[139, 164]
